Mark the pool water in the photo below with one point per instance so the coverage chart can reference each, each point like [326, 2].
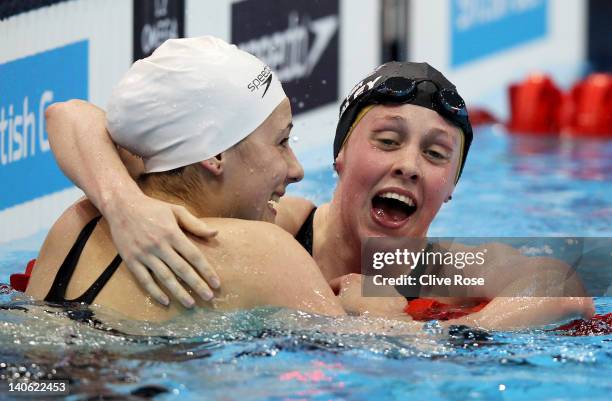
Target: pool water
[512, 186]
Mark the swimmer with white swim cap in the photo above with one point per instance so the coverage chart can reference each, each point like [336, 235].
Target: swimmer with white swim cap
[211, 123]
[399, 152]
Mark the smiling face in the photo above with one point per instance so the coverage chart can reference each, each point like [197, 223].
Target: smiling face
[258, 169]
[395, 171]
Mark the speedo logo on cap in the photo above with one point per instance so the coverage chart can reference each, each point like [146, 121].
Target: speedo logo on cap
[264, 78]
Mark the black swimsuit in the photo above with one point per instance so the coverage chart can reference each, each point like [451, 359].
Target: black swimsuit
[305, 235]
[305, 238]
[57, 293]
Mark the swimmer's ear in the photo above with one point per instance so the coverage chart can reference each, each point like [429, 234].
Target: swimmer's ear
[449, 197]
[339, 163]
[214, 164]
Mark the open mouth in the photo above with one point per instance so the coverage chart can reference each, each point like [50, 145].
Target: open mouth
[391, 209]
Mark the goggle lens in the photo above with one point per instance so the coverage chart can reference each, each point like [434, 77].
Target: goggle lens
[452, 102]
[399, 88]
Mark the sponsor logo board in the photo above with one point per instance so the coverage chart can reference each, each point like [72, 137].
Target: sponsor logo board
[298, 39]
[155, 21]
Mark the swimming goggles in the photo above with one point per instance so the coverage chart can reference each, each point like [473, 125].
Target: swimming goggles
[444, 101]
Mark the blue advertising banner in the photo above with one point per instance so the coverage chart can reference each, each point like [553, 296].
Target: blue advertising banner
[27, 87]
[480, 28]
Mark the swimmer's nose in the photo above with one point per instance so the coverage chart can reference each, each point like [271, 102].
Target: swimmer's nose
[402, 173]
[407, 167]
[295, 172]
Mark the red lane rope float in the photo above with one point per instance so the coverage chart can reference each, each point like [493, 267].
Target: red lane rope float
[539, 107]
[587, 108]
[535, 106]
[19, 281]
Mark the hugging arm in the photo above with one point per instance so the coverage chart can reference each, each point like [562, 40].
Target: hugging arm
[526, 292]
[514, 313]
[146, 232]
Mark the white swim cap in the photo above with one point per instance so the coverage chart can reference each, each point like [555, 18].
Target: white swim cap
[190, 100]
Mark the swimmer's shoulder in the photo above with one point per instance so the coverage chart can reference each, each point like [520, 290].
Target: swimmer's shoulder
[292, 213]
[249, 238]
[261, 264]
[58, 242]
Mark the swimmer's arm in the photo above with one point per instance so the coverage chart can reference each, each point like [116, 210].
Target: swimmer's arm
[87, 155]
[541, 276]
[502, 313]
[146, 232]
[513, 281]
[515, 313]
[349, 290]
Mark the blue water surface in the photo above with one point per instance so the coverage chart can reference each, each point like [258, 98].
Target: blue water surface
[512, 186]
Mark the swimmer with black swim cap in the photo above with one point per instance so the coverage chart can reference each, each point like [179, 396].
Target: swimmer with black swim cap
[418, 125]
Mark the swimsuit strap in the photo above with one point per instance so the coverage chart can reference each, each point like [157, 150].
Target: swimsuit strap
[93, 291]
[305, 234]
[57, 293]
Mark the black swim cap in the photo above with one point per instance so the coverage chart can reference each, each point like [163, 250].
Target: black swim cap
[406, 82]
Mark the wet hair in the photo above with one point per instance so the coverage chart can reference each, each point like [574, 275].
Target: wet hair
[182, 182]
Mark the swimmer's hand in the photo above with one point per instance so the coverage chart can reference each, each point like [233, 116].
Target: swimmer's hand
[348, 288]
[149, 236]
